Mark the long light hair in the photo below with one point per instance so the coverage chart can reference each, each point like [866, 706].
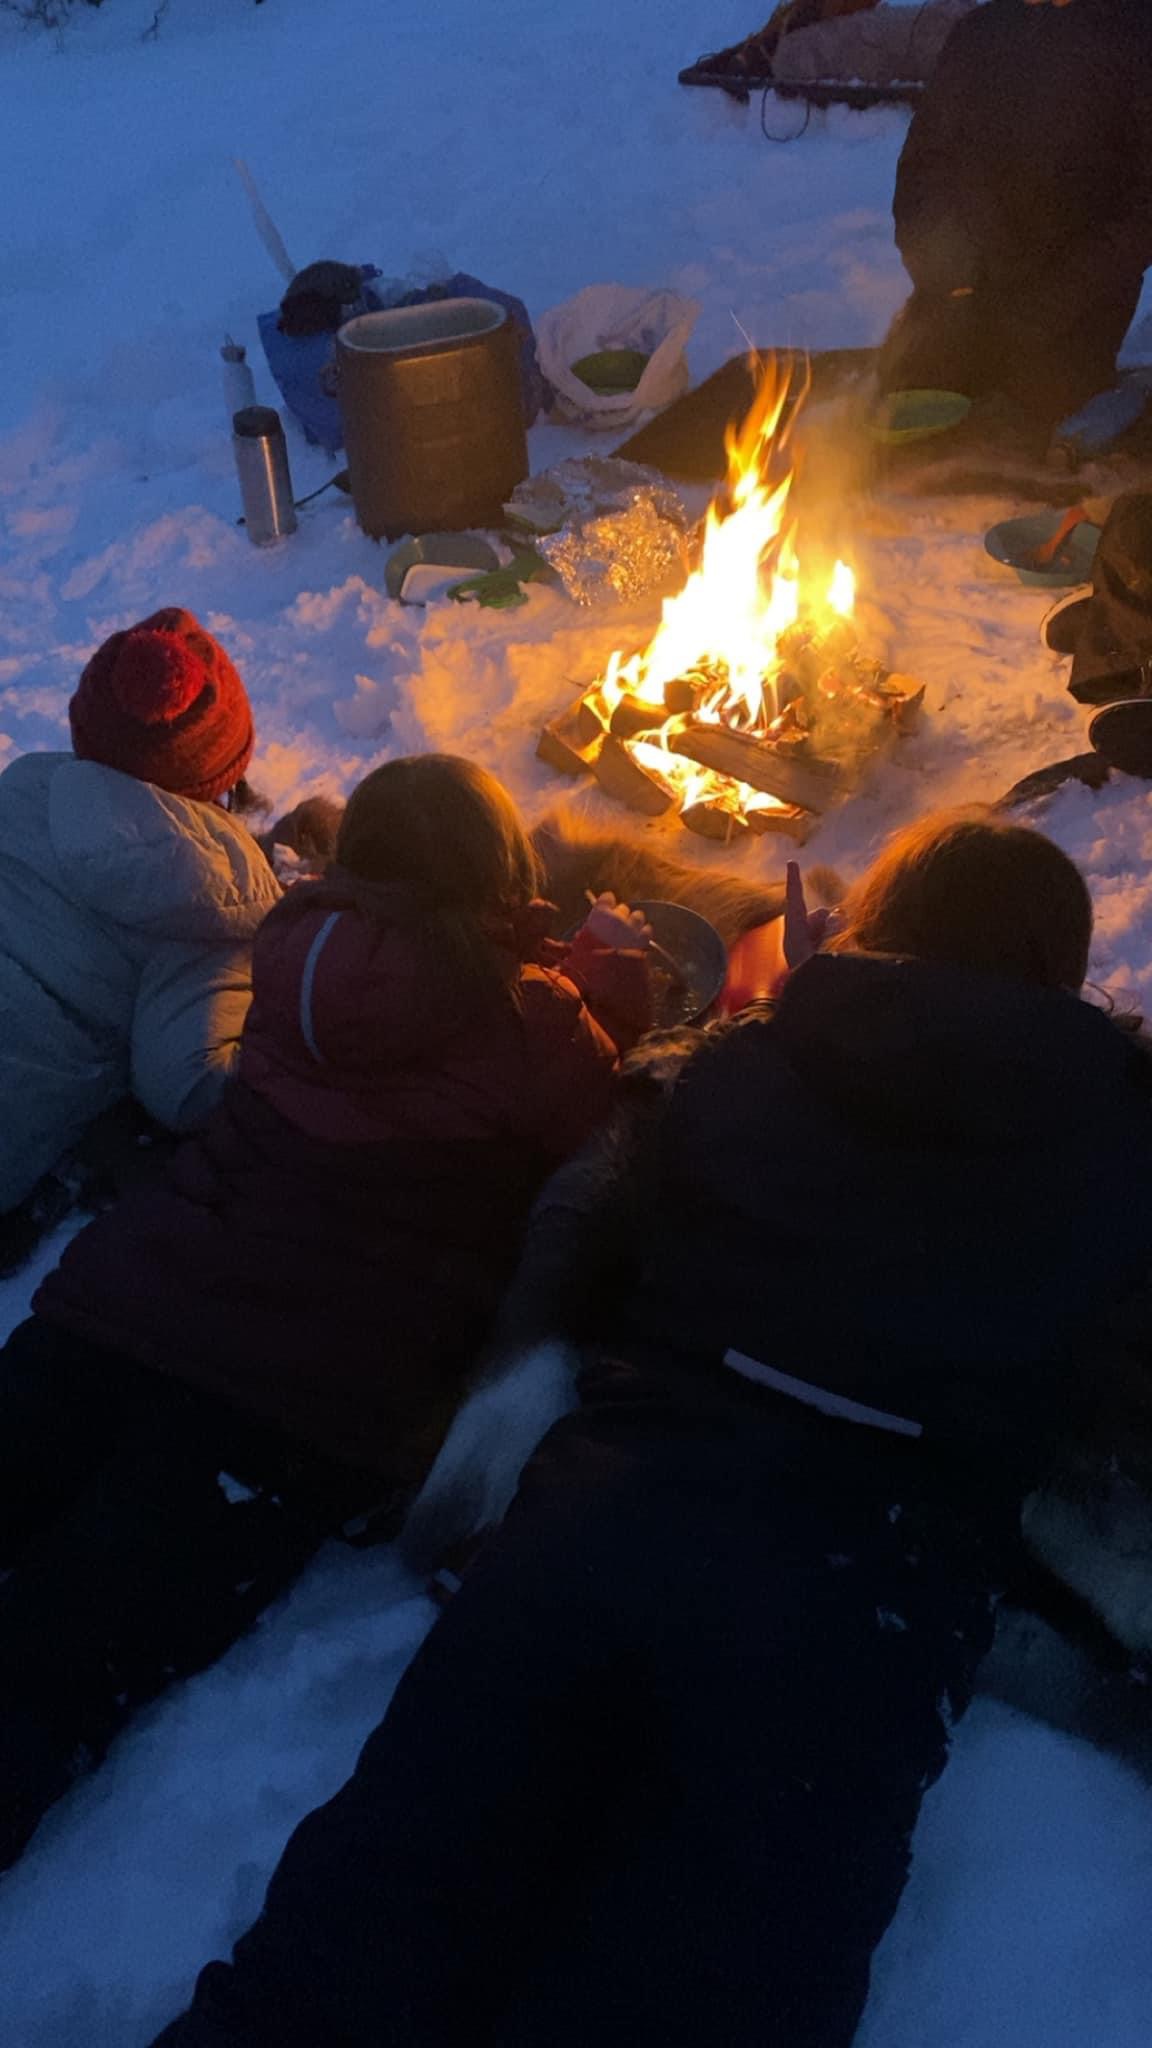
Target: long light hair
[966, 890]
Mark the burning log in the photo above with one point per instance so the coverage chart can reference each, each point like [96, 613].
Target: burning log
[713, 820]
[902, 700]
[807, 654]
[786, 818]
[633, 716]
[810, 782]
[571, 743]
[589, 715]
[559, 747]
[622, 777]
[684, 695]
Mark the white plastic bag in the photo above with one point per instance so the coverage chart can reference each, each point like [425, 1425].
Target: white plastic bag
[616, 316]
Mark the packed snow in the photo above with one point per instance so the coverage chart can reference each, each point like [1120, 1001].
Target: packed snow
[542, 148]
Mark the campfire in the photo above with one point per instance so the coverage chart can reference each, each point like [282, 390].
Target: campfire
[753, 707]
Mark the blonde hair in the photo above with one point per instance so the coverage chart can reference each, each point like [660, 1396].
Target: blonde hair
[966, 890]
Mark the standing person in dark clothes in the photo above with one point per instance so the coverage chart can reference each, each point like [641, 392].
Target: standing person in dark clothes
[653, 1777]
[270, 1341]
[1023, 205]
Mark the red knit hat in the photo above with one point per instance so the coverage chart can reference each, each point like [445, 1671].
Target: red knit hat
[163, 702]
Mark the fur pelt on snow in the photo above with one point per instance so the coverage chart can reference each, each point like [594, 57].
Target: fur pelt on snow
[579, 857]
[513, 1403]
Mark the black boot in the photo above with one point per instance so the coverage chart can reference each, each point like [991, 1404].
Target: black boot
[1122, 736]
[1062, 625]
[1108, 630]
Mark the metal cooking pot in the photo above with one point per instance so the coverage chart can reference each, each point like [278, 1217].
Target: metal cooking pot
[433, 416]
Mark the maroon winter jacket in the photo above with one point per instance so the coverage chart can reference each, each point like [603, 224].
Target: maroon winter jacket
[329, 1252]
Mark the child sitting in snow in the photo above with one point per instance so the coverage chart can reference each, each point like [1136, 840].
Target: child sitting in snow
[654, 1775]
[269, 1342]
[129, 899]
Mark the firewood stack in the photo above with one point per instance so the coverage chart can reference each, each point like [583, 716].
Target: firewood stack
[836, 709]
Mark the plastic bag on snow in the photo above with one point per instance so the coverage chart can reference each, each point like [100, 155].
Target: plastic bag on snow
[608, 316]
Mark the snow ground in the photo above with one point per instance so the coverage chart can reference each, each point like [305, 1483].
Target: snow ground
[543, 148]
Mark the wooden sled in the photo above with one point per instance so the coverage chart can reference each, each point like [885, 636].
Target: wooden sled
[819, 93]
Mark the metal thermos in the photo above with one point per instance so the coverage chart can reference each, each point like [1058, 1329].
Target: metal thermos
[262, 466]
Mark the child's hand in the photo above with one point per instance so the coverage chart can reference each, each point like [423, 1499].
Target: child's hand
[804, 930]
[609, 961]
[614, 925]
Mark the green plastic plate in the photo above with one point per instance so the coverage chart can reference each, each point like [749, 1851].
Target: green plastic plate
[917, 415]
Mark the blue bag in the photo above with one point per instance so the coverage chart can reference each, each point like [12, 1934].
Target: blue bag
[299, 363]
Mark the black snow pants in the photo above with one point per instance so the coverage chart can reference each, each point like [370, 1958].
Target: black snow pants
[142, 1528]
[994, 343]
[652, 1779]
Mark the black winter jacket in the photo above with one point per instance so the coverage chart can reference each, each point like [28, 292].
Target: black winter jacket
[1027, 171]
[915, 1186]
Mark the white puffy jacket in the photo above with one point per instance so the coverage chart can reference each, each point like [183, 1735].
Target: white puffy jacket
[126, 924]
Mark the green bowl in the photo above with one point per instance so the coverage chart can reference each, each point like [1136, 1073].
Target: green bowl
[611, 370]
[917, 415]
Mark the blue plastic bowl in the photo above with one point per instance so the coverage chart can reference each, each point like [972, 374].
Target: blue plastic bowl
[1014, 540]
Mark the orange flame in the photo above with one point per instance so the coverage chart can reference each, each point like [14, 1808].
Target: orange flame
[722, 628]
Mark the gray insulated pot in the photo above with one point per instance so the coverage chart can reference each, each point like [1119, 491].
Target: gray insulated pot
[433, 418]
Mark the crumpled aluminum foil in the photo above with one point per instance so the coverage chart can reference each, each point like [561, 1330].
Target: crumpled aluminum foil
[585, 486]
[618, 556]
[611, 530]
